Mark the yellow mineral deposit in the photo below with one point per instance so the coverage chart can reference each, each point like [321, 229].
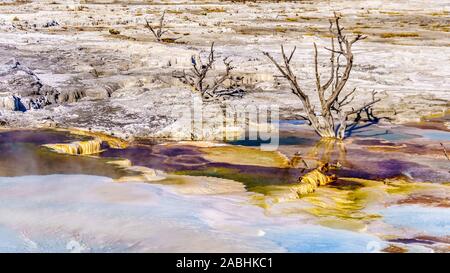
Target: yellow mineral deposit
[325, 148]
[297, 161]
[241, 155]
[181, 183]
[307, 184]
[142, 174]
[196, 143]
[122, 163]
[137, 173]
[312, 180]
[113, 142]
[442, 114]
[346, 208]
[88, 147]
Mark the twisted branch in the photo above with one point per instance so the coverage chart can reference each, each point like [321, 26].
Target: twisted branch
[159, 32]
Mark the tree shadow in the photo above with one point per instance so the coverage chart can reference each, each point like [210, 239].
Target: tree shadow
[360, 122]
[18, 105]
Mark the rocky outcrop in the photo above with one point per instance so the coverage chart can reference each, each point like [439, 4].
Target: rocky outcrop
[21, 89]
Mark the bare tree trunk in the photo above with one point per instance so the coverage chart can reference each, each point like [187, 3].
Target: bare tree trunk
[342, 127]
[331, 107]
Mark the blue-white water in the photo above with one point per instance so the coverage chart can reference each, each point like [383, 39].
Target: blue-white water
[53, 202]
[62, 213]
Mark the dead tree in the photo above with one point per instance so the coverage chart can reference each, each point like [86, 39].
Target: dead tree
[159, 32]
[445, 152]
[331, 96]
[197, 78]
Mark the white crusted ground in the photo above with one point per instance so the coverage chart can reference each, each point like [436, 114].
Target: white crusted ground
[127, 77]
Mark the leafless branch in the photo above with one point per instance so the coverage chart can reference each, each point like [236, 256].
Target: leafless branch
[445, 151]
[347, 99]
[324, 122]
[365, 105]
[158, 32]
[196, 78]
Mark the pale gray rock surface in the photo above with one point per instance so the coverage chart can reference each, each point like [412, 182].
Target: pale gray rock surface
[79, 75]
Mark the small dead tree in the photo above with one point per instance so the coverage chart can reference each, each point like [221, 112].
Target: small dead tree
[331, 96]
[158, 32]
[445, 152]
[196, 77]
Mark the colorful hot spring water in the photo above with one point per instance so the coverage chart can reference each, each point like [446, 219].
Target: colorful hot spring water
[63, 191]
